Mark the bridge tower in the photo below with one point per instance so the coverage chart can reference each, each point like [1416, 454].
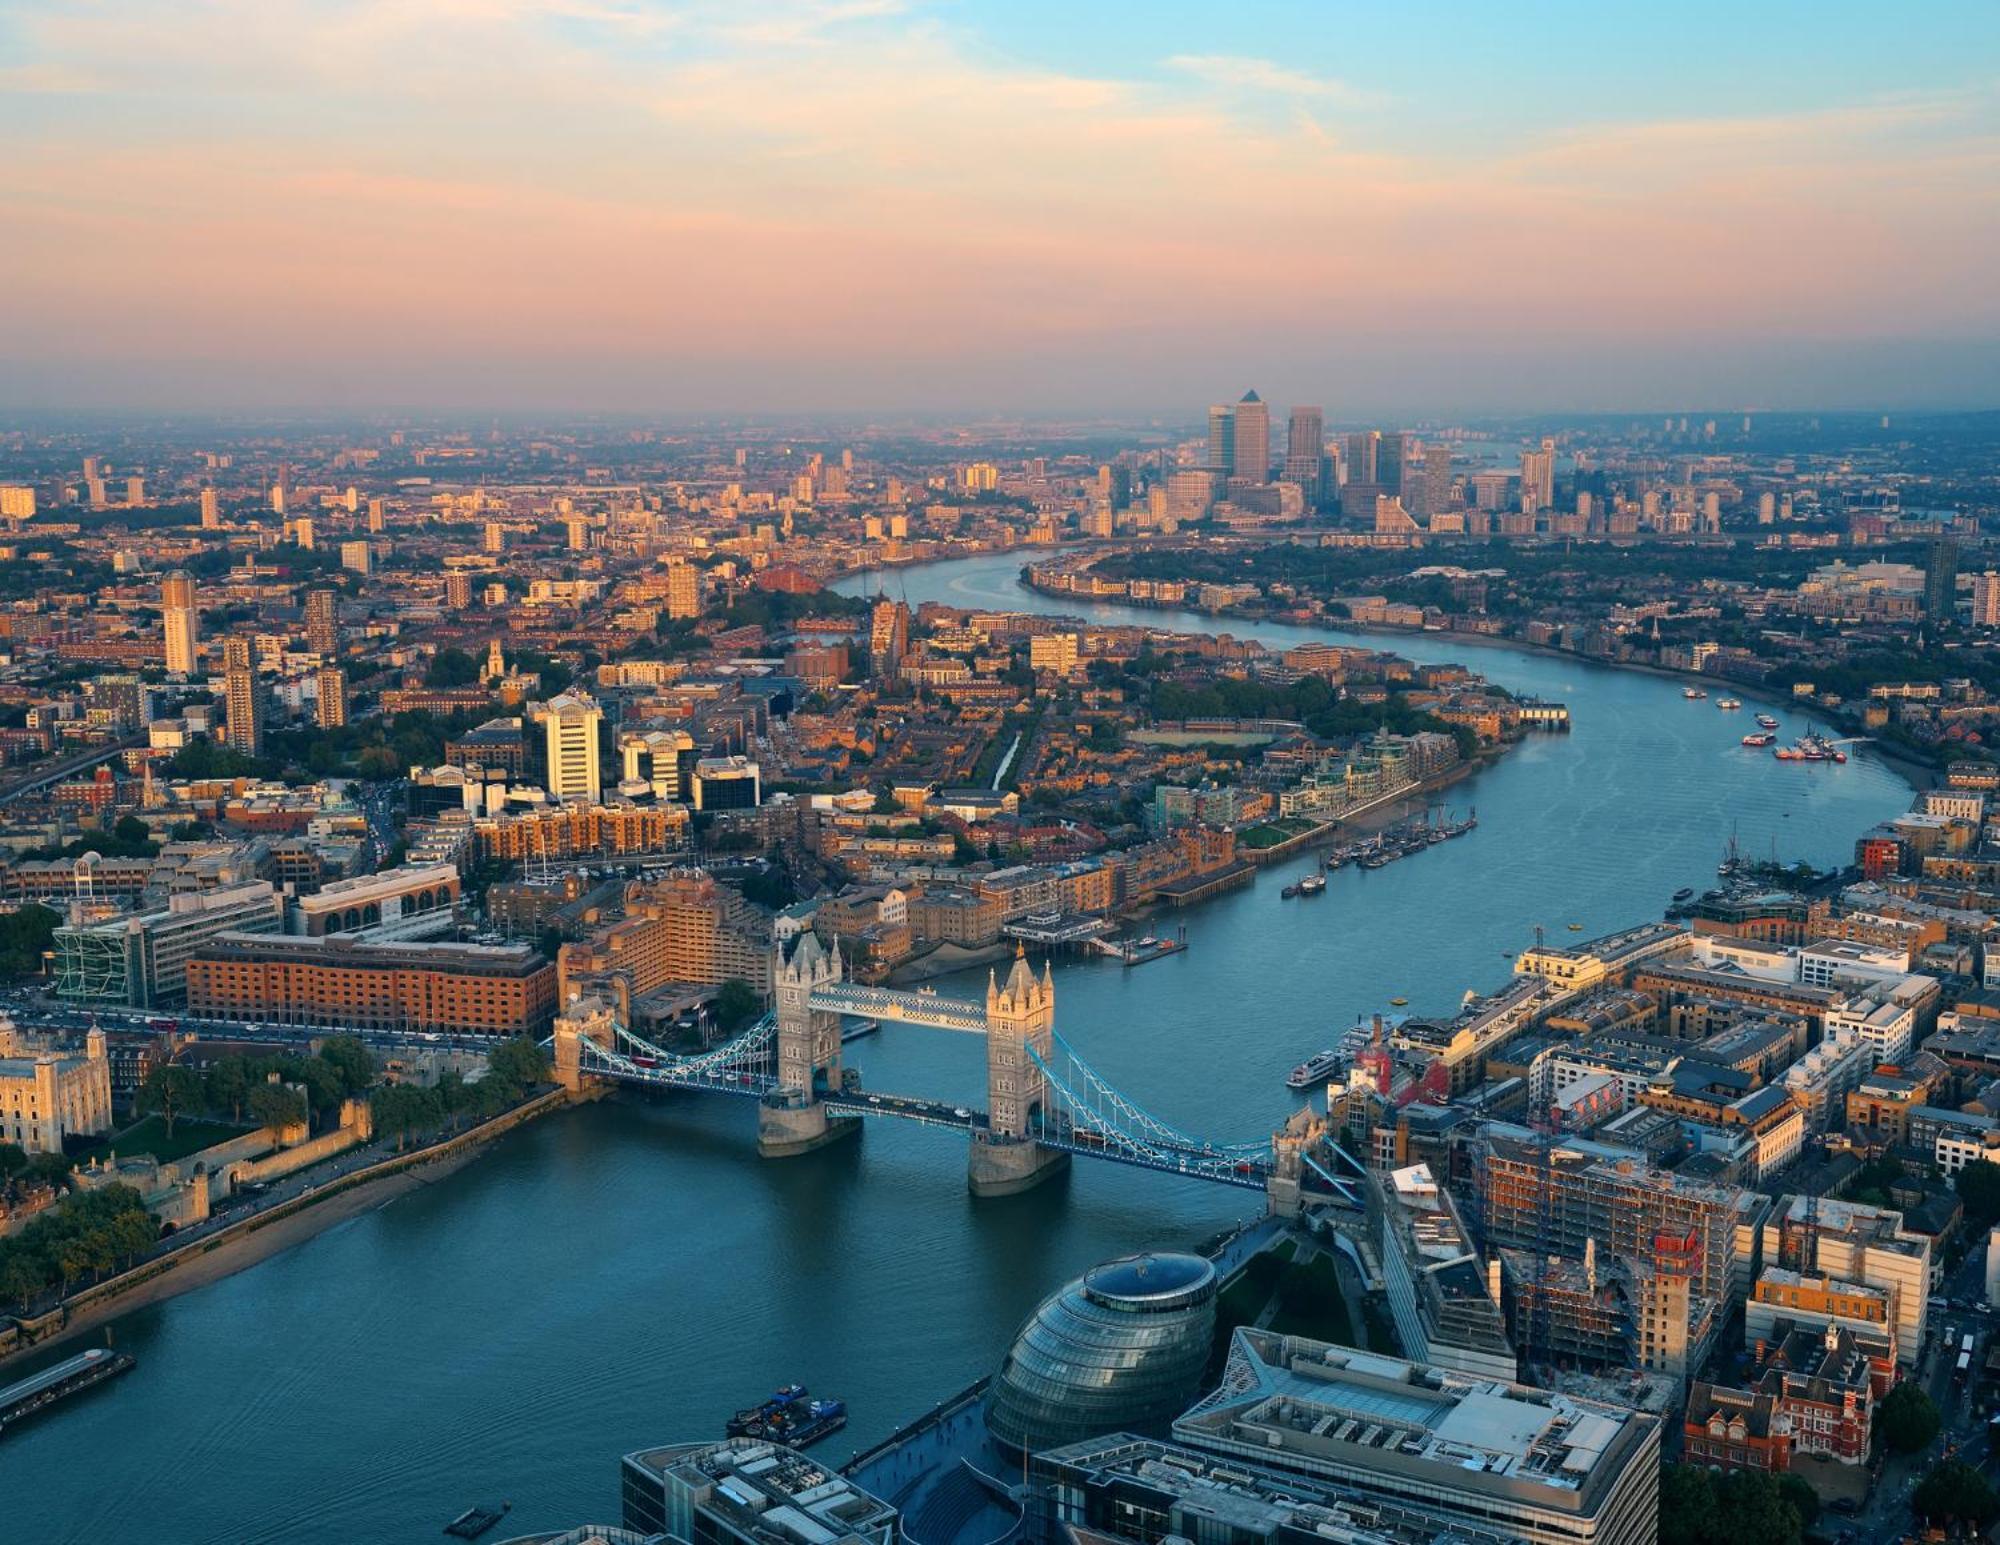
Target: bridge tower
[584, 1017]
[1019, 1014]
[793, 1119]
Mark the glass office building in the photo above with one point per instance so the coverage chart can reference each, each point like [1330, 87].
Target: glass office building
[1121, 1349]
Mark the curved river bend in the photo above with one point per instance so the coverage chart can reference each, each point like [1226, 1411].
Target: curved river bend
[629, 1274]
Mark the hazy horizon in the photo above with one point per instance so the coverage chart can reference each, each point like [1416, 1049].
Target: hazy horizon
[871, 207]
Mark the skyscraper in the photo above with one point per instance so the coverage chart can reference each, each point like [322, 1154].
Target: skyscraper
[1252, 460]
[1941, 580]
[183, 629]
[332, 697]
[322, 630]
[211, 509]
[1362, 446]
[1305, 451]
[572, 726]
[1393, 453]
[1437, 477]
[458, 590]
[1222, 439]
[1538, 478]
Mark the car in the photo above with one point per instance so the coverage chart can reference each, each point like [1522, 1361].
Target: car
[962, 1113]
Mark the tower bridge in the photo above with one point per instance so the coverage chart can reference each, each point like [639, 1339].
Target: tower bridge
[1044, 1103]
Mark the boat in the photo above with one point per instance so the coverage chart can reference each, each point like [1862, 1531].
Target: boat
[1766, 722]
[805, 1423]
[858, 1029]
[1313, 1070]
[1729, 704]
[1289, 892]
[1810, 747]
[1312, 884]
[1685, 893]
[748, 1421]
[1399, 1002]
[1693, 694]
[69, 1377]
[1576, 928]
[475, 1521]
[1761, 738]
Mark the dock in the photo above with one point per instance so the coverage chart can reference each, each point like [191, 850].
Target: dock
[70, 1377]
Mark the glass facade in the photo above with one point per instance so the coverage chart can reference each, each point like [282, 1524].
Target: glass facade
[1121, 1349]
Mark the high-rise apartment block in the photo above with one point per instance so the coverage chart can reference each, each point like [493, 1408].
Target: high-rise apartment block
[888, 636]
[322, 628]
[332, 697]
[244, 699]
[181, 621]
[683, 589]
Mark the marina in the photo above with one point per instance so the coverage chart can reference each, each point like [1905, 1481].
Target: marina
[1399, 841]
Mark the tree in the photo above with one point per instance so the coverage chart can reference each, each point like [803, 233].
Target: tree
[1955, 1493]
[1687, 1505]
[13, 1160]
[25, 935]
[228, 1085]
[736, 1004]
[348, 1057]
[276, 1106]
[1908, 1419]
[1804, 1501]
[1979, 1190]
[173, 1091]
[517, 1062]
[452, 668]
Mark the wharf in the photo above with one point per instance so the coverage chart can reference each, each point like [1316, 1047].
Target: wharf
[1183, 893]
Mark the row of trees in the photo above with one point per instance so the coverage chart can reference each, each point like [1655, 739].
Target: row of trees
[234, 1088]
[513, 1068]
[86, 1237]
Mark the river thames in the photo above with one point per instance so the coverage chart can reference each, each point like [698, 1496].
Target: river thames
[628, 1274]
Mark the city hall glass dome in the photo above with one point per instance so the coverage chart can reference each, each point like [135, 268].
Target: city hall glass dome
[1122, 1348]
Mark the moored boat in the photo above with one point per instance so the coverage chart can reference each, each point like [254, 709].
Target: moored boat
[1313, 1070]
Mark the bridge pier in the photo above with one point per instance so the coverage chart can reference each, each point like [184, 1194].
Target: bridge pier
[999, 1166]
[786, 1129]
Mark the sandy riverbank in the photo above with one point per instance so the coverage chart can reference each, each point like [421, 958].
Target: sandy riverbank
[247, 1242]
[241, 1251]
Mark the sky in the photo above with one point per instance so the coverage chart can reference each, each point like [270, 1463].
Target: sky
[1024, 206]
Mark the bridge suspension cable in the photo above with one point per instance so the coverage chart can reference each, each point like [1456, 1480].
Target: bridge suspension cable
[1089, 1088]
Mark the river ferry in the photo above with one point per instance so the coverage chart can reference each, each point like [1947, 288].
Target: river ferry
[1729, 704]
[1761, 738]
[1314, 1070]
[1766, 722]
[1693, 694]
